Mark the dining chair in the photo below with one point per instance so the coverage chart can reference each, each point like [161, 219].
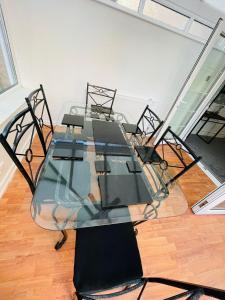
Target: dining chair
[23, 141]
[101, 100]
[146, 127]
[107, 264]
[106, 257]
[171, 154]
[38, 105]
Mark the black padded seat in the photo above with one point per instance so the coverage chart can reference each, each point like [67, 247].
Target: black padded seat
[95, 115]
[131, 128]
[106, 257]
[148, 154]
[101, 109]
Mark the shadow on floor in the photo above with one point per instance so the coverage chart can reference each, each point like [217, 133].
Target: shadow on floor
[213, 154]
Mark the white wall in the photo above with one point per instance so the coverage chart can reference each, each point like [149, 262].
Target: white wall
[65, 43]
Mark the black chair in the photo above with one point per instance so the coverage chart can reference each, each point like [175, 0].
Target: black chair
[171, 154]
[107, 257]
[17, 138]
[101, 100]
[37, 102]
[146, 127]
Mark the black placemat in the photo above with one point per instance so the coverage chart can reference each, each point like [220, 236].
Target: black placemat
[73, 120]
[123, 190]
[102, 166]
[107, 132]
[63, 150]
[133, 166]
[113, 150]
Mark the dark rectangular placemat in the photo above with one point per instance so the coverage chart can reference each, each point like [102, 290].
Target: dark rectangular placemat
[73, 120]
[134, 166]
[123, 190]
[63, 150]
[102, 166]
[107, 132]
[113, 150]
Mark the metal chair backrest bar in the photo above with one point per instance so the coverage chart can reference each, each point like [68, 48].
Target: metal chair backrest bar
[38, 105]
[102, 98]
[148, 124]
[19, 132]
[173, 146]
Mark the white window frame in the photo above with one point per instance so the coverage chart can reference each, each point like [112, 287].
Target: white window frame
[7, 54]
[207, 204]
[166, 3]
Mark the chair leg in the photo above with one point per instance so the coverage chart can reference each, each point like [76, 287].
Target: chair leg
[60, 243]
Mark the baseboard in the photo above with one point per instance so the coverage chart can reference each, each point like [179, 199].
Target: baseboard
[11, 170]
[6, 179]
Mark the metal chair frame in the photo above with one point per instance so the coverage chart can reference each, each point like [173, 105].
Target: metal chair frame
[177, 145]
[192, 291]
[35, 99]
[148, 124]
[19, 126]
[108, 96]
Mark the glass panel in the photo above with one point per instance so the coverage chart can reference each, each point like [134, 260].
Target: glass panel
[200, 30]
[165, 14]
[205, 79]
[7, 71]
[68, 193]
[131, 4]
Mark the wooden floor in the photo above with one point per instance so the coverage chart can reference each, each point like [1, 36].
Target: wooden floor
[187, 247]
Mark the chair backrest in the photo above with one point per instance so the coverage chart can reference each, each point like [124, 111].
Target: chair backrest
[37, 102]
[176, 157]
[17, 139]
[102, 98]
[185, 290]
[148, 124]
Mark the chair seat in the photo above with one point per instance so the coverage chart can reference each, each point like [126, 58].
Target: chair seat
[106, 257]
[148, 154]
[101, 109]
[130, 128]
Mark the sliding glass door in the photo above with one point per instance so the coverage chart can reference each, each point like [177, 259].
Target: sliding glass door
[198, 84]
[209, 73]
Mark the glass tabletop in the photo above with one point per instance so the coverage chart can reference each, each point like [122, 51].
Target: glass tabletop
[68, 195]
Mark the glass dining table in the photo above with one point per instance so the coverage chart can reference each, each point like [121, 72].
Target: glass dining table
[68, 194]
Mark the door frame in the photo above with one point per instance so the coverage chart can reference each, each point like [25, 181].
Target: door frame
[217, 30]
[206, 205]
[204, 105]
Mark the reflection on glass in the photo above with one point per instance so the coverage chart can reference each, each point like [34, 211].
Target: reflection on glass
[200, 87]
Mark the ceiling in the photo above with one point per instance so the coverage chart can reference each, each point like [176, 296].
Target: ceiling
[217, 4]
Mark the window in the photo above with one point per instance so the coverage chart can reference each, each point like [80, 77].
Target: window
[7, 71]
[200, 30]
[168, 15]
[164, 14]
[131, 4]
